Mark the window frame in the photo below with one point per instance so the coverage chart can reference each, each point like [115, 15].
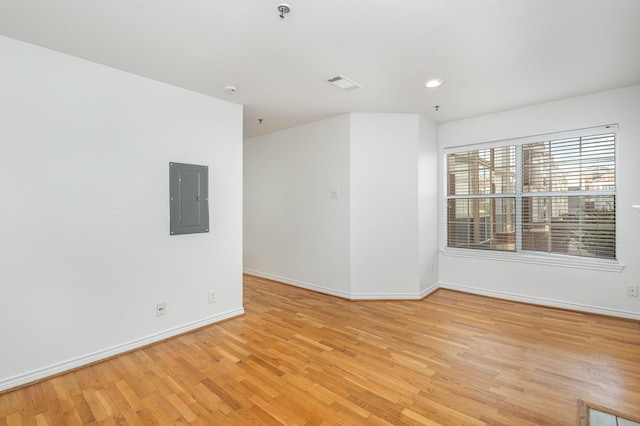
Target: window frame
[520, 255]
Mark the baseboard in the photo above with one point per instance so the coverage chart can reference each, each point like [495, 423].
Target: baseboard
[344, 294]
[302, 284]
[543, 301]
[465, 289]
[424, 293]
[52, 370]
[395, 296]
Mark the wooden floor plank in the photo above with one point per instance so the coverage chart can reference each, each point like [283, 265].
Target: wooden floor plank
[303, 358]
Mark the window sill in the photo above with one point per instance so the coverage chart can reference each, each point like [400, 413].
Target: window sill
[550, 260]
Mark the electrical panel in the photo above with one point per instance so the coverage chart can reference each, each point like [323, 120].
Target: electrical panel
[189, 198]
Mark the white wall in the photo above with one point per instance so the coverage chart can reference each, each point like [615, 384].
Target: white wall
[365, 244]
[591, 290]
[428, 204]
[294, 231]
[384, 205]
[85, 252]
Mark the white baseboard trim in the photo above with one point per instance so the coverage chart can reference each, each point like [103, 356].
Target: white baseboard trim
[52, 370]
[465, 289]
[395, 296]
[296, 283]
[543, 301]
[424, 293]
[344, 294]
[385, 296]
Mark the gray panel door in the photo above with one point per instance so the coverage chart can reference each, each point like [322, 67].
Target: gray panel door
[188, 193]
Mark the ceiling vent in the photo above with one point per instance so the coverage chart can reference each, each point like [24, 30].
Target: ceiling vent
[343, 82]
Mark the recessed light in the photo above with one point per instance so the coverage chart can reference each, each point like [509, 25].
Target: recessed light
[434, 82]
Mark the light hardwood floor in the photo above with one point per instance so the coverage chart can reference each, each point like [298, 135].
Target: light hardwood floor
[299, 357]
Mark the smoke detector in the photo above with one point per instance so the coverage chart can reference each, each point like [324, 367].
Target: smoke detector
[283, 8]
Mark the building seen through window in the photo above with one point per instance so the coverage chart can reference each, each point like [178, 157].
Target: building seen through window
[554, 196]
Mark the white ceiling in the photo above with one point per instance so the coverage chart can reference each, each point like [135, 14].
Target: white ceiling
[494, 54]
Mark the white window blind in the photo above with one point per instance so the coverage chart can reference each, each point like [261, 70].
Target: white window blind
[553, 196]
[481, 199]
[568, 196]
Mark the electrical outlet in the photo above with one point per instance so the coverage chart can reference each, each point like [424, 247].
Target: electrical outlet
[632, 290]
[161, 309]
[212, 296]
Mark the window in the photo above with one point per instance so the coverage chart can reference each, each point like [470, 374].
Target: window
[481, 201]
[555, 196]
